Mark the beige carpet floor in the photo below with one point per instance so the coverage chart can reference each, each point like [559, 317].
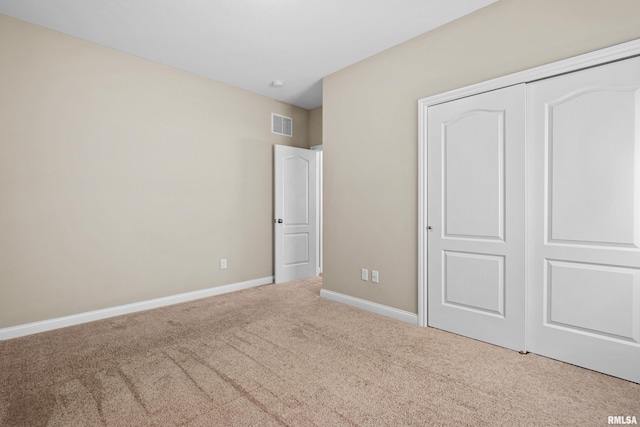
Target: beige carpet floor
[280, 355]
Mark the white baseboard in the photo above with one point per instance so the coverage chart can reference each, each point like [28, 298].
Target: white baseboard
[362, 304]
[90, 316]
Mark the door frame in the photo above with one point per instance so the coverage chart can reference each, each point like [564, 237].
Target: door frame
[598, 57]
[318, 149]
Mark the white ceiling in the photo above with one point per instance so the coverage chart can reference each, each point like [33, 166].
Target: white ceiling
[248, 43]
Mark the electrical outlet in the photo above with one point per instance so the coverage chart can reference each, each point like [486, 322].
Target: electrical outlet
[365, 274]
[374, 276]
[223, 264]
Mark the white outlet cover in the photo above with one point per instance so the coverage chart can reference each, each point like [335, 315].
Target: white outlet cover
[374, 276]
[365, 274]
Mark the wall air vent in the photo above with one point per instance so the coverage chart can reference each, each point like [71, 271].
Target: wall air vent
[281, 125]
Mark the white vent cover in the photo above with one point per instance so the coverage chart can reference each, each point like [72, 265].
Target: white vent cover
[281, 125]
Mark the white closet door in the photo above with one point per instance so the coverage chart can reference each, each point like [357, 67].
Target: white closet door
[584, 153]
[476, 214]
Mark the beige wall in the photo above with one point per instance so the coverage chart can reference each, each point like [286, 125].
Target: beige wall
[315, 127]
[123, 180]
[370, 125]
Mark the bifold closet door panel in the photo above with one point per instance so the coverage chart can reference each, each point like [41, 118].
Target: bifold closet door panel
[475, 208]
[584, 217]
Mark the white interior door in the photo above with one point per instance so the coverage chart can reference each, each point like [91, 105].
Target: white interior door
[295, 210]
[475, 211]
[584, 294]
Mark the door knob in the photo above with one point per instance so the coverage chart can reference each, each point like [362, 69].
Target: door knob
[279, 221]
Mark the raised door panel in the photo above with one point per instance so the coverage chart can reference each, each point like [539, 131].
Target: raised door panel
[593, 299]
[474, 282]
[473, 176]
[592, 155]
[296, 249]
[296, 192]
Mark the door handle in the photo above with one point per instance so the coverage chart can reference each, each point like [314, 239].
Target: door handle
[279, 221]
